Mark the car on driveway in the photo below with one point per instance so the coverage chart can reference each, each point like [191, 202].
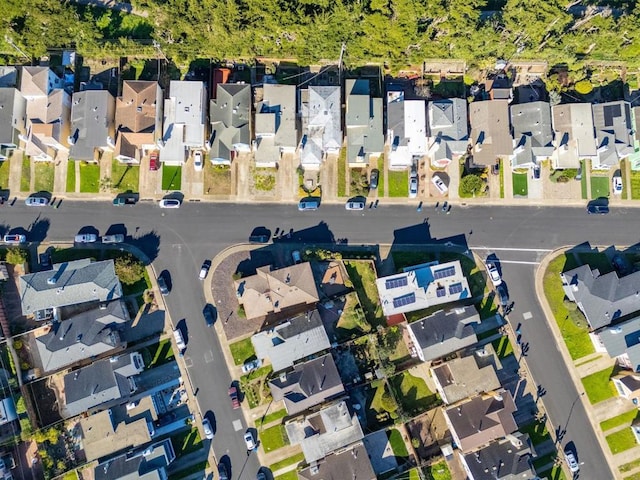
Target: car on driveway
[169, 203]
[251, 365]
[493, 273]
[14, 239]
[233, 395]
[617, 184]
[598, 209]
[373, 179]
[413, 185]
[86, 238]
[437, 181]
[115, 238]
[154, 161]
[36, 202]
[197, 161]
[295, 256]
[204, 270]
[572, 463]
[355, 204]
[250, 440]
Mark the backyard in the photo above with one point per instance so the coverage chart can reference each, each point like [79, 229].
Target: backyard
[255, 386]
[437, 471]
[352, 322]
[217, 179]
[398, 446]
[381, 408]
[413, 393]
[599, 186]
[44, 173]
[171, 177]
[398, 183]
[125, 178]
[363, 276]
[598, 386]
[89, 177]
[621, 440]
[520, 185]
[242, 351]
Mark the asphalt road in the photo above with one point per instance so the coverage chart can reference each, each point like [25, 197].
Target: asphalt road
[179, 240]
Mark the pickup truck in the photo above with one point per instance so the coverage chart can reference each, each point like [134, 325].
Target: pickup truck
[122, 201]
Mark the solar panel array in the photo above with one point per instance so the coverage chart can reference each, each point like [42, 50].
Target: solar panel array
[455, 288]
[396, 283]
[404, 300]
[444, 273]
[441, 292]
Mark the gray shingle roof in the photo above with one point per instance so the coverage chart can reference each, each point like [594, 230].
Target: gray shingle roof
[347, 464]
[92, 121]
[321, 122]
[363, 121]
[13, 115]
[612, 122]
[148, 464]
[310, 383]
[602, 298]
[574, 133]
[448, 119]
[531, 132]
[508, 459]
[623, 338]
[462, 377]
[69, 283]
[230, 115]
[490, 131]
[276, 122]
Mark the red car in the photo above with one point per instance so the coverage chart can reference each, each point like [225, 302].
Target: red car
[154, 162]
[233, 394]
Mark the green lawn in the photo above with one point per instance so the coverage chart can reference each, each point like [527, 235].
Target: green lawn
[538, 432]
[297, 458]
[598, 386]
[255, 386]
[382, 405]
[635, 185]
[625, 418]
[186, 442]
[71, 176]
[4, 174]
[629, 466]
[413, 393]
[635, 476]
[186, 472]
[290, 475]
[623, 173]
[397, 443]
[273, 438]
[520, 185]
[503, 347]
[381, 176]
[242, 351]
[363, 276]
[621, 440]
[583, 180]
[89, 177]
[599, 186]
[437, 471]
[501, 171]
[342, 173]
[352, 323]
[25, 178]
[271, 417]
[158, 354]
[171, 177]
[571, 322]
[125, 178]
[44, 172]
[398, 183]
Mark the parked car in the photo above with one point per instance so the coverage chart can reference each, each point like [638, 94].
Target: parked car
[208, 431]
[169, 203]
[354, 204]
[503, 295]
[36, 202]
[536, 172]
[86, 238]
[437, 181]
[261, 476]
[493, 273]
[197, 161]
[617, 184]
[597, 209]
[154, 161]
[209, 314]
[14, 239]
[309, 203]
[115, 238]
[123, 200]
[223, 473]
[233, 395]
[251, 365]
[177, 335]
[373, 179]
[204, 269]
[572, 463]
[162, 286]
[295, 256]
[495, 168]
[45, 261]
[413, 185]
[250, 441]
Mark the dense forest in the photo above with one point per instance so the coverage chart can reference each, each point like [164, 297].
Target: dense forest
[396, 31]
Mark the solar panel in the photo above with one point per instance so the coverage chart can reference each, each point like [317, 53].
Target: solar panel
[444, 272]
[441, 292]
[404, 300]
[396, 283]
[455, 288]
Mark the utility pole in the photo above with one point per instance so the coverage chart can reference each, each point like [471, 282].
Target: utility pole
[342, 50]
[9, 40]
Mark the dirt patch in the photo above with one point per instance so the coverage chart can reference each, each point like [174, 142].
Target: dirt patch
[431, 431]
[46, 403]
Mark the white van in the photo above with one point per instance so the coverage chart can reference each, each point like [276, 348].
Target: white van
[177, 334]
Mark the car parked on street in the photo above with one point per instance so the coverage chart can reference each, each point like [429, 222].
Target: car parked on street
[162, 285]
[197, 161]
[36, 202]
[204, 269]
[437, 181]
[355, 204]
[209, 313]
[572, 463]
[86, 238]
[122, 200]
[14, 239]
[223, 473]
[493, 273]
[309, 203]
[250, 440]
[598, 209]
[503, 295]
[169, 203]
[208, 431]
[115, 238]
[233, 395]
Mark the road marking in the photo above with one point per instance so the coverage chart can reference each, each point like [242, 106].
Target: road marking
[522, 262]
[188, 362]
[237, 425]
[208, 357]
[509, 249]
[527, 315]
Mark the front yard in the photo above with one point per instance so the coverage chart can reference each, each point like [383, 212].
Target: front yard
[44, 172]
[158, 353]
[621, 440]
[217, 179]
[25, 177]
[4, 174]
[273, 438]
[125, 178]
[599, 186]
[363, 275]
[264, 179]
[598, 386]
[413, 393]
[171, 177]
[520, 185]
[187, 442]
[89, 177]
[502, 347]
[242, 351]
[625, 418]
[635, 185]
[398, 183]
[255, 388]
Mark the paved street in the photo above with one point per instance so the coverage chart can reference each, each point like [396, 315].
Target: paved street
[179, 240]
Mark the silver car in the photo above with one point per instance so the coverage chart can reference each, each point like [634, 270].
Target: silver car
[413, 185]
[86, 238]
[354, 205]
[572, 463]
[116, 238]
[14, 239]
[36, 202]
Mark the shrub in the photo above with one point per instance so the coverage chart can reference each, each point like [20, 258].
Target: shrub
[415, 442]
[128, 269]
[147, 296]
[241, 313]
[471, 185]
[17, 344]
[584, 87]
[16, 256]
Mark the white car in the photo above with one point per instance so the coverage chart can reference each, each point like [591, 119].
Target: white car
[14, 239]
[36, 202]
[354, 205]
[437, 181]
[251, 366]
[197, 161]
[572, 463]
[250, 441]
[86, 238]
[494, 275]
[413, 185]
[115, 238]
[617, 184]
[169, 203]
[204, 270]
[208, 431]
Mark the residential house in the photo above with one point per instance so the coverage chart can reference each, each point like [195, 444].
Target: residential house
[277, 293]
[310, 383]
[13, 120]
[295, 339]
[92, 124]
[612, 122]
[622, 342]
[490, 131]
[276, 130]
[499, 87]
[574, 135]
[230, 114]
[320, 433]
[69, 283]
[627, 385]
[363, 119]
[8, 76]
[460, 378]
[481, 420]
[448, 130]
[138, 120]
[321, 109]
[150, 463]
[508, 459]
[99, 383]
[84, 335]
[406, 130]
[48, 114]
[345, 464]
[532, 135]
[601, 298]
[444, 332]
[184, 121]
[422, 286]
[8, 420]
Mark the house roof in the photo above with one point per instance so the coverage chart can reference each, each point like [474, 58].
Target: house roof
[147, 464]
[184, 117]
[348, 463]
[310, 383]
[130, 145]
[92, 116]
[276, 121]
[38, 81]
[82, 336]
[531, 132]
[448, 119]
[230, 117]
[490, 131]
[8, 76]
[321, 122]
[509, 459]
[574, 134]
[463, 377]
[602, 298]
[407, 124]
[422, 286]
[325, 431]
[13, 115]
[136, 109]
[363, 119]
[445, 332]
[629, 380]
[623, 339]
[297, 338]
[100, 382]
[481, 420]
[69, 283]
[612, 122]
[273, 291]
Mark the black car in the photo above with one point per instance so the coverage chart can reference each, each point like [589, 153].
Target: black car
[503, 295]
[223, 474]
[45, 261]
[373, 179]
[162, 285]
[209, 314]
[597, 209]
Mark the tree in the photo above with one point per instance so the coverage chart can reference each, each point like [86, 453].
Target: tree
[471, 185]
[16, 256]
[129, 269]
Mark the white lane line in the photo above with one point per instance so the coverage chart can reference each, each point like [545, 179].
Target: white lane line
[509, 249]
[521, 262]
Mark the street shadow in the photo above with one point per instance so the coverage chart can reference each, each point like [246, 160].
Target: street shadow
[88, 230]
[116, 228]
[318, 234]
[39, 230]
[148, 244]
